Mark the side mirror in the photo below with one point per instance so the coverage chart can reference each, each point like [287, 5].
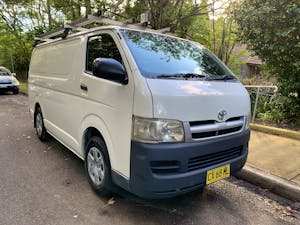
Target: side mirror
[14, 74]
[110, 69]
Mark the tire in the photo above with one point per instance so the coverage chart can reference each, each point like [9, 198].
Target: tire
[39, 125]
[97, 166]
[16, 91]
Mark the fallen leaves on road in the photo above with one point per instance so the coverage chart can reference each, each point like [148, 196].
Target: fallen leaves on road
[111, 201]
[173, 210]
[290, 211]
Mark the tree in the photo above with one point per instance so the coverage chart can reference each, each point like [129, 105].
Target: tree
[12, 41]
[271, 29]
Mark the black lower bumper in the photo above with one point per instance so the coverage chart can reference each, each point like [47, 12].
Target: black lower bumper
[9, 88]
[167, 170]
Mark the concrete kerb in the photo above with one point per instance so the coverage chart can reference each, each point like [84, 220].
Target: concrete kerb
[275, 184]
[276, 131]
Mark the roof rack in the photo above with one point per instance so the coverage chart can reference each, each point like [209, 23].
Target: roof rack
[78, 25]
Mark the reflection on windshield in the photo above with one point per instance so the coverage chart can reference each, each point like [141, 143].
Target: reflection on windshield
[159, 56]
[4, 72]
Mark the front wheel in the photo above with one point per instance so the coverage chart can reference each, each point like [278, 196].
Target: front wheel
[16, 91]
[97, 166]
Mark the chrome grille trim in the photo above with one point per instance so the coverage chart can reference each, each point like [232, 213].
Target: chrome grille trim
[216, 129]
[216, 126]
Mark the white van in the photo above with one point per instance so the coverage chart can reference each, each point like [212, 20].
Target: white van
[157, 115]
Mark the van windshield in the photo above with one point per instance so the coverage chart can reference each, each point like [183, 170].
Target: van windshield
[159, 56]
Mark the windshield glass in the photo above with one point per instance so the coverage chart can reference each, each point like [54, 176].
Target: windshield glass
[159, 56]
[4, 72]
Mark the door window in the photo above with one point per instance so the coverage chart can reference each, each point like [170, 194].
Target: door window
[101, 46]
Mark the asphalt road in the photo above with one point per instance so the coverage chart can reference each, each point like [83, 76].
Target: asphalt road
[44, 183]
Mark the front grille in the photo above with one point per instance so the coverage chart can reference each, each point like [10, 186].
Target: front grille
[204, 161]
[164, 167]
[212, 128]
[5, 82]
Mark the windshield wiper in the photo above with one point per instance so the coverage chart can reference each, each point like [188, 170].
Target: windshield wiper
[223, 77]
[182, 75]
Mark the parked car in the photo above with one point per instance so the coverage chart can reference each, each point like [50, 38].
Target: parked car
[157, 115]
[8, 81]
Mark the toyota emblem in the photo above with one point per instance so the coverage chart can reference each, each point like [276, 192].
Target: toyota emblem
[221, 115]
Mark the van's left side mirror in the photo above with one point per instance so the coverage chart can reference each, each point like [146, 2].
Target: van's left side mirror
[110, 69]
[14, 74]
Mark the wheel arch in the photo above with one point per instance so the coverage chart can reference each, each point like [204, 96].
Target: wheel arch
[91, 126]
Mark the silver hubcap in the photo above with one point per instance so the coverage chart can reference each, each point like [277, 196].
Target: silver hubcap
[39, 124]
[95, 164]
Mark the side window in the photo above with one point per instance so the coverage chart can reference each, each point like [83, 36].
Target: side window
[102, 46]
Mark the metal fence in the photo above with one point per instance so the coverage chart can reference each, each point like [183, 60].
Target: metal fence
[260, 94]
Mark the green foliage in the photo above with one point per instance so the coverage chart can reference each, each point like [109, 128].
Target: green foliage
[23, 86]
[273, 111]
[14, 45]
[270, 28]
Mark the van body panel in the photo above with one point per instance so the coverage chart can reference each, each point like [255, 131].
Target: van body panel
[52, 83]
[142, 104]
[113, 103]
[203, 99]
[68, 110]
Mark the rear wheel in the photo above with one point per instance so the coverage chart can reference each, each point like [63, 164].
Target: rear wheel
[97, 166]
[39, 125]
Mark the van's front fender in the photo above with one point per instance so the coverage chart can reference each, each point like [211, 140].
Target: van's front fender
[94, 121]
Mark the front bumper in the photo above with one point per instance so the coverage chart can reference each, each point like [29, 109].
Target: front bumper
[164, 170]
[8, 87]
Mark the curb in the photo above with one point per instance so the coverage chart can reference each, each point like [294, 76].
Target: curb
[275, 184]
[276, 131]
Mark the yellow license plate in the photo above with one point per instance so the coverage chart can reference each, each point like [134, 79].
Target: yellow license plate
[217, 174]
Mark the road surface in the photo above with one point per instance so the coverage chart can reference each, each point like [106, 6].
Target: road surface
[44, 183]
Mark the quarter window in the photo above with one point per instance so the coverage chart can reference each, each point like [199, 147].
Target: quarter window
[101, 46]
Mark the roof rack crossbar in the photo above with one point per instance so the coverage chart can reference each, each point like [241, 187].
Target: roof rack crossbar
[79, 24]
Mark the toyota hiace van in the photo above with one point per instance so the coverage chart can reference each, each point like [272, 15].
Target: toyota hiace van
[156, 115]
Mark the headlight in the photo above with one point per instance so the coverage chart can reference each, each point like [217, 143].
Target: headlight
[15, 81]
[247, 121]
[157, 130]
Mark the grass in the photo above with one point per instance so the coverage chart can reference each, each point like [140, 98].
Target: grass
[23, 86]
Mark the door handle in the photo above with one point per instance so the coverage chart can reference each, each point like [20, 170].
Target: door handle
[83, 87]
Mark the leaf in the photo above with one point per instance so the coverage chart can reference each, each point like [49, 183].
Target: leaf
[111, 201]
[173, 210]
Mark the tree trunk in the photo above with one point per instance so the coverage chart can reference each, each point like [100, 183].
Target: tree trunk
[213, 26]
[78, 11]
[48, 9]
[88, 7]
